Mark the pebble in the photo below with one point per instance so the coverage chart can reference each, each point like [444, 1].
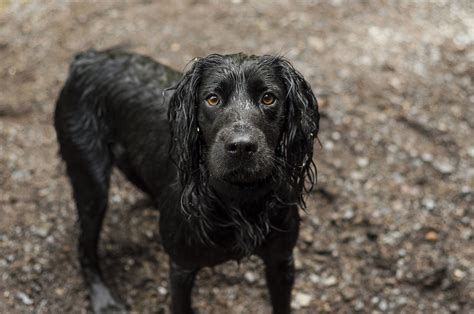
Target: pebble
[314, 278]
[115, 199]
[470, 151]
[301, 300]
[348, 293]
[359, 305]
[362, 162]
[444, 167]
[427, 157]
[162, 290]
[459, 274]
[42, 231]
[429, 204]
[250, 277]
[298, 262]
[328, 145]
[348, 214]
[59, 291]
[431, 236]
[454, 308]
[24, 298]
[329, 281]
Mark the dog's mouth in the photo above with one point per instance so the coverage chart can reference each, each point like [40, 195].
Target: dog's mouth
[241, 180]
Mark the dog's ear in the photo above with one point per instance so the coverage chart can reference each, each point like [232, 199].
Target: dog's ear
[302, 125]
[182, 115]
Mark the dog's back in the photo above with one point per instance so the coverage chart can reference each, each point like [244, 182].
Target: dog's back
[108, 98]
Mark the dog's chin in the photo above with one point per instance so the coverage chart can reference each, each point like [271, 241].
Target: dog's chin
[239, 179]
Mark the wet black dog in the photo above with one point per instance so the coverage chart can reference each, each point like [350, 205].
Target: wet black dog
[225, 158]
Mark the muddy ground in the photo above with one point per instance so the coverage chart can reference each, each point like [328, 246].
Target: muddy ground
[390, 226]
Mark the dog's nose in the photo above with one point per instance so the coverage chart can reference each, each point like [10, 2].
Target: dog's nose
[241, 145]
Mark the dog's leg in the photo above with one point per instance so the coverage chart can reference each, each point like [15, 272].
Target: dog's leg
[89, 174]
[280, 277]
[182, 282]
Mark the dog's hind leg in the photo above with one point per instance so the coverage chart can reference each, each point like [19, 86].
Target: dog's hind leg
[89, 168]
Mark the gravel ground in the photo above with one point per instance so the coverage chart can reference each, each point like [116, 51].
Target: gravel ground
[390, 226]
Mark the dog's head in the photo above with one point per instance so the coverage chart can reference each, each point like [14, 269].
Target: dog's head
[244, 121]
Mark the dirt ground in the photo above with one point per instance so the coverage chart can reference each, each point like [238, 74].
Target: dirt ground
[390, 226]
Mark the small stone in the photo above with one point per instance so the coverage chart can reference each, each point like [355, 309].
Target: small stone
[429, 203]
[427, 157]
[444, 167]
[431, 236]
[314, 278]
[459, 274]
[162, 290]
[42, 231]
[348, 293]
[116, 199]
[470, 151]
[329, 145]
[250, 277]
[348, 214]
[302, 300]
[298, 263]
[59, 291]
[362, 162]
[359, 305]
[330, 281]
[454, 308]
[24, 298]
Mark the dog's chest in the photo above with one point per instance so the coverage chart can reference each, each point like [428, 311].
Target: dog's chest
[229, 239]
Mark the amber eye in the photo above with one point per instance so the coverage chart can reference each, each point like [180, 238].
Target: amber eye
[212, 100]
[268, 99]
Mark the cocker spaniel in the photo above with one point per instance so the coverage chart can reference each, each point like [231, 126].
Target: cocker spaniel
[225, 150]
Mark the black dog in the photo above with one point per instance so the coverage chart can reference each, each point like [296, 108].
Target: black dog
[225, 158]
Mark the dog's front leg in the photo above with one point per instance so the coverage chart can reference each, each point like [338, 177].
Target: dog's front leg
[182, 282]
[280, 277]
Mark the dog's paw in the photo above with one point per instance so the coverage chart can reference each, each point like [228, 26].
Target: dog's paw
[103, 302]
[109, 308]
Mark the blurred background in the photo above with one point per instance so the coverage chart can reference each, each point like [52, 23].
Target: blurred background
[389, 227]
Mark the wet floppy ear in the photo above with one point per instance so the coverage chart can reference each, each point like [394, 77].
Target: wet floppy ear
[302, 125]
[182, 116]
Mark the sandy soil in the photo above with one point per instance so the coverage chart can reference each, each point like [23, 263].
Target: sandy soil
[390, 227]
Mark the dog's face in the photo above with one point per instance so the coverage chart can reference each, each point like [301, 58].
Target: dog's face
[245, 119]
[241, 111]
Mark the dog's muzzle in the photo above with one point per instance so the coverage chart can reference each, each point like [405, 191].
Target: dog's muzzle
[241, 145]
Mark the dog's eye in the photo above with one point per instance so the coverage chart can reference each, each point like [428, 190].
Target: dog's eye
[268, 99]
[213, 100]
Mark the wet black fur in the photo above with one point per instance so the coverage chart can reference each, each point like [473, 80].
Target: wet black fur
[127, 110]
